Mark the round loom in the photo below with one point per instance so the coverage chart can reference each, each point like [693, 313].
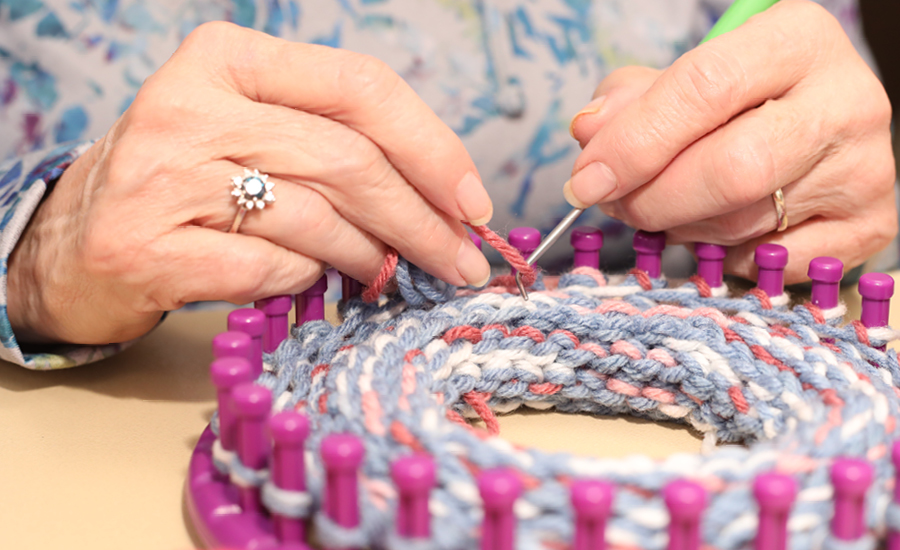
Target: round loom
[792, 385]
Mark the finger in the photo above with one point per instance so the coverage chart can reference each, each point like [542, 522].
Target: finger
[701, 91]
[206, 264]
[341, 167]
[354, 89]
[616, 91]
[850, 240]
[734, 170]
[300, 220]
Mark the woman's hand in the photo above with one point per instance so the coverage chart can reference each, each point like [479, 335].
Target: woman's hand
[138, 225]
[783, 102]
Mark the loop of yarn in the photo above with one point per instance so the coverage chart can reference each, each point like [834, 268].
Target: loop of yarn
[243, 476]
[792, 384]
[290, 504]
[866, 542]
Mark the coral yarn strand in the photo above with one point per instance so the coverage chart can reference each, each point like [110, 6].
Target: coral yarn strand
[509, 253]
[373, 289]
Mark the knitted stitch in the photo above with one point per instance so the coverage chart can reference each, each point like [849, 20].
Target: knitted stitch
[792, 384]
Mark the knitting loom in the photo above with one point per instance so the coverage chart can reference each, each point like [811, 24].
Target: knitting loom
[359, 429]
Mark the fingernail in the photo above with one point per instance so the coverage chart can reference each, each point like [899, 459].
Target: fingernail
[590, 185]
[472, 198]
[591, 108]
[472, 265]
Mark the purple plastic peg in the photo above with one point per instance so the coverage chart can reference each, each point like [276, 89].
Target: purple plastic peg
[475, 239]
[310, 304]
[710, 260]
[893, 538]
[252, 404]
[232, 344]
[851, 479]
[648, 248]
[592, 501]
[826, 274]
[350, 287]
[289, 432]
[499, 490]
[876, 290]
[525, 240]
[253, 322]
[587, 242]
[227, 373]
[342, 455]
[775, 494]
[276, 310]
[686, 501]
[771, 260]
[414, 476]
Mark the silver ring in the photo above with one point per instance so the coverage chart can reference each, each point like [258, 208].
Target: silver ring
[252, 190]
[780, 211]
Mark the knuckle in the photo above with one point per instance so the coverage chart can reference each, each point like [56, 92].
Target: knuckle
[743, 172]
[621, 77]
[637, 217]
[365, 78]
[364, 163]
[210, 36]
[709, 80]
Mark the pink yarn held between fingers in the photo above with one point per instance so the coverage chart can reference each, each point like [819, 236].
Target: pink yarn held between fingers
[498, 243]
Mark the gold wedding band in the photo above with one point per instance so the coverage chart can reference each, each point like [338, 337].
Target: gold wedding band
[780, 210]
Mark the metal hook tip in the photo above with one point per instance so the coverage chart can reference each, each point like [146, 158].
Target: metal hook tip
[521, 286]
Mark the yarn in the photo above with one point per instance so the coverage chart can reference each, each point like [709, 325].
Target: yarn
[792, 384]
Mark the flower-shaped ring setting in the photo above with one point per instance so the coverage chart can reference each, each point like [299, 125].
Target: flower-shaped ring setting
[252, 190]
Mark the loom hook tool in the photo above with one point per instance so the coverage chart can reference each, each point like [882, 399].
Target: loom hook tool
[554, 236]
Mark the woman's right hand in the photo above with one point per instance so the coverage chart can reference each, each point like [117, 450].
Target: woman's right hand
[138, 225]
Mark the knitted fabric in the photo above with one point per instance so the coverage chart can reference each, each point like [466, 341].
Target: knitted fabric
[794, 386]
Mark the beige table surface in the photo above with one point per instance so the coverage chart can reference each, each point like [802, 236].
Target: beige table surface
[95, 457]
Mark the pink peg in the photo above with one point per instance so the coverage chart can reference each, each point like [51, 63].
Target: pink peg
[289, 432]
[876, 290]
[685, 501]
[475, 239]
[648, 248]
[414, 477]
[587, 242]
[253, 322]
[342, 455]
[525, 240]
[775, 494]
[826, 274]
[771, 260]
[499, 490]
[592, 501]
[851, 479]
[710, 260]
[309, 305]
[232, 344]
[350, 287]
[252, 404]
[228, 372]
[893, 538]
[276, 310]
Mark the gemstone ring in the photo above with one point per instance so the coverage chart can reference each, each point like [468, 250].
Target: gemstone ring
[253, 190]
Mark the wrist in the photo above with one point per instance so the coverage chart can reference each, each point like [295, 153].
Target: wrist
[38, 296]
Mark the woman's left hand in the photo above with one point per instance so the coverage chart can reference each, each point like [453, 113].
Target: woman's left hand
[697, 150]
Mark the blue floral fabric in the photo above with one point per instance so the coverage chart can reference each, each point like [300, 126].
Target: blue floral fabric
[506, 75]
